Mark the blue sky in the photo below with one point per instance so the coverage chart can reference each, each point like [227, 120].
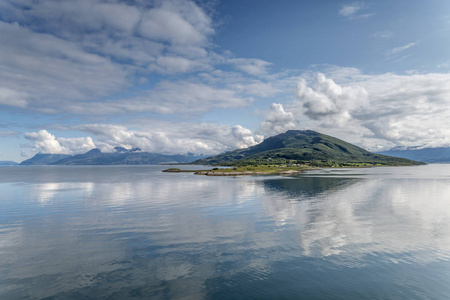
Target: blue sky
[179, 76]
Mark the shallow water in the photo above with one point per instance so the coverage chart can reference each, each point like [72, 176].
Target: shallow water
[90, 232]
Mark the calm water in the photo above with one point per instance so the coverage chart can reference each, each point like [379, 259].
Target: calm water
[114, 232]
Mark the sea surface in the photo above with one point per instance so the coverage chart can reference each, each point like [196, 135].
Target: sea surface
[133, 232]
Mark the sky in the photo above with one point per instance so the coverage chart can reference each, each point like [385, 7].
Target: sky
[179, 76]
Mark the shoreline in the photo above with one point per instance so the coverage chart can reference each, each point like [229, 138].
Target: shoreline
[220, 172]
[258, 170]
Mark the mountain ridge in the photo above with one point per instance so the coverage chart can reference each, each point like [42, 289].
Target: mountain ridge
[304, 146]
[8, 163]
[428, 155]
[122, 156]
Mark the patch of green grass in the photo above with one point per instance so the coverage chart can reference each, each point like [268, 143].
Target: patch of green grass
[266, 169]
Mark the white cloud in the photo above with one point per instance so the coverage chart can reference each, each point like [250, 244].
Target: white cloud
[352, 11]
[77, 56]
[168, 98]
[175, 64]
[244, 137]
[402, 48]
[277, 121]
[12, 98]
[408, 110]
[398, 110]
[252, 66]
[77, 145]
[174, 138]
[166, 25]
[42, 71]
[46, 142]
[60, 53]
[326, 100]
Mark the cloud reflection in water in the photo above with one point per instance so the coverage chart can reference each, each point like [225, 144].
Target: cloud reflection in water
[123, 232]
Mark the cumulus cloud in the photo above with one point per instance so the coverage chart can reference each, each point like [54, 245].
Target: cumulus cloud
[243, 137]
[277, 120]
[175, 138]
[378, 111]
[326, 100]
[45, 142]
[77, 145]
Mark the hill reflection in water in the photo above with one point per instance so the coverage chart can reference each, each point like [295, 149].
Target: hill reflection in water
[134, 232]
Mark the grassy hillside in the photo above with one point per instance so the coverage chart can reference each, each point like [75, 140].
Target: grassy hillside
[297, 146]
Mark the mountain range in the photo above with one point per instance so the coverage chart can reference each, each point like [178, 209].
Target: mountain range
[121, 156]
[294, 145]
[8, 163]
[428, 155]
[304, 146]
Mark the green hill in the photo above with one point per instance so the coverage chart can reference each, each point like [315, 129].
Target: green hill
[304, 146]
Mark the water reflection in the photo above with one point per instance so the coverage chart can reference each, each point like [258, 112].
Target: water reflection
[45, 193]
[303, 186]
[140, 233]
[353, 217]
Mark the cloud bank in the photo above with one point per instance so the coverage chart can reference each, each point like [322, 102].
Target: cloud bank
[173, 139]
[373, 111]
[384, 110]
[82, 56]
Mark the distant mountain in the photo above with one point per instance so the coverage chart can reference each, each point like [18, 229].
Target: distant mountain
[304, 146]
[428, 155]
[122, 156]
[44, 159]
[8, 163]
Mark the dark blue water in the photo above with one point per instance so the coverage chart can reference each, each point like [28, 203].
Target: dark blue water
[118, 232]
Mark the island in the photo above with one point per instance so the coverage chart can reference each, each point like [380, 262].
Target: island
[293, 152]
